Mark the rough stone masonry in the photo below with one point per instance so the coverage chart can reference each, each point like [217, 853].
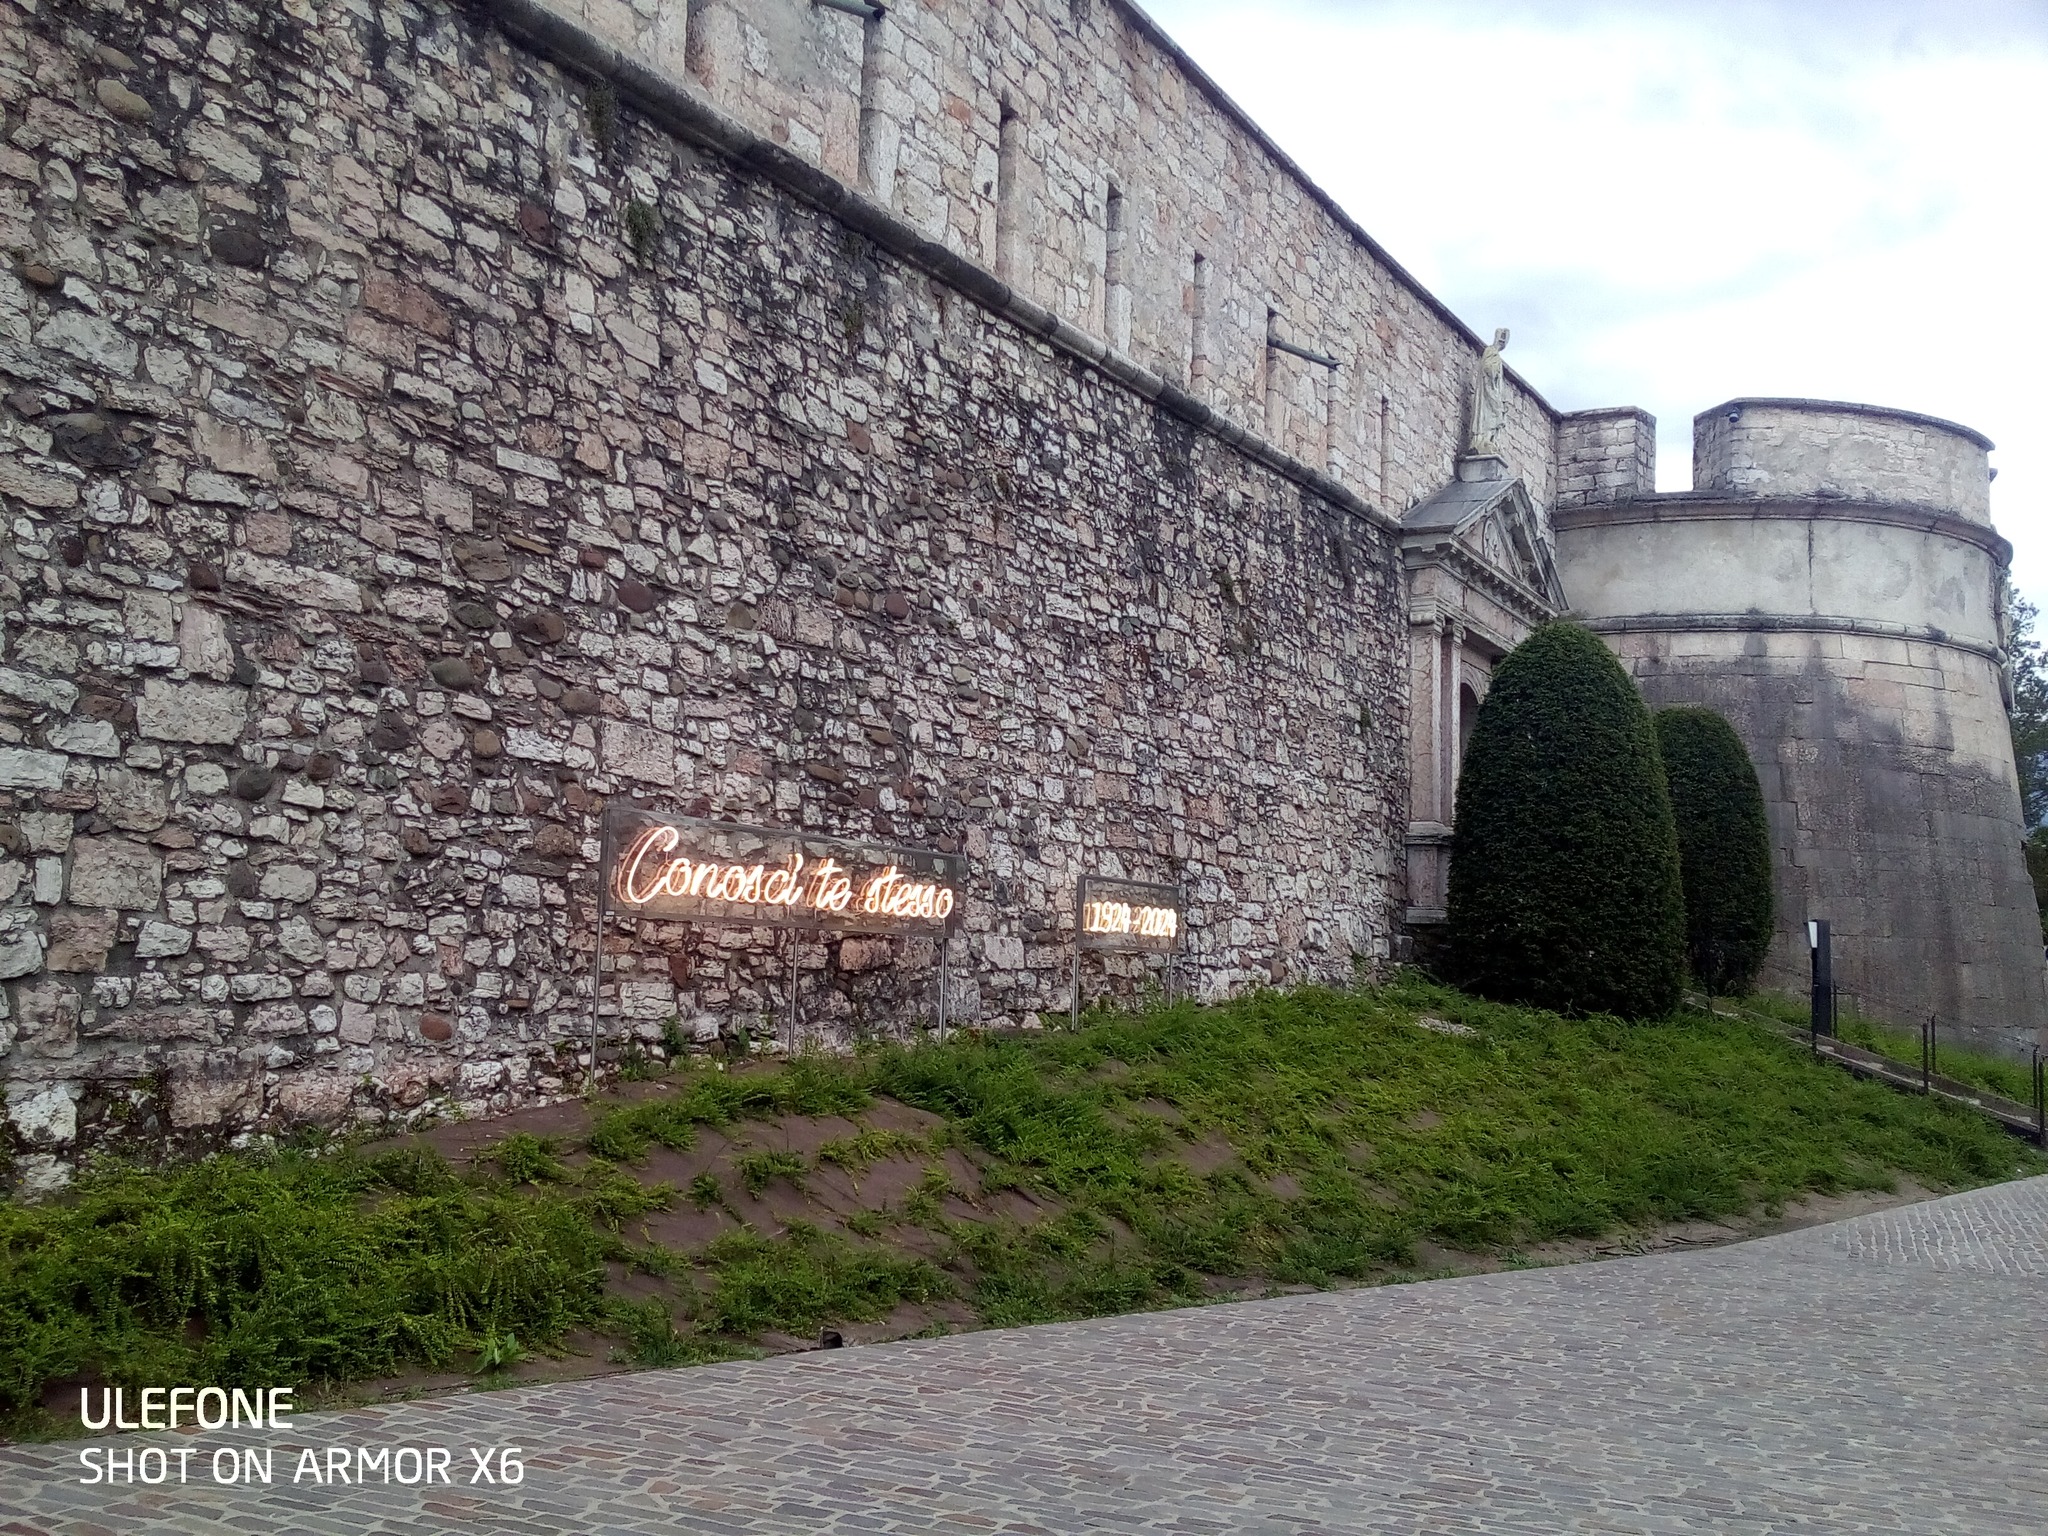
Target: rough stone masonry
[408, 449]
[431, 423]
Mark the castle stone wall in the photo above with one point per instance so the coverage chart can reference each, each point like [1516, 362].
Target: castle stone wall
[1605, 455]
[1835, 450]
[384, 494]
[1705, 558]
[1887, 774]
[1100, 102]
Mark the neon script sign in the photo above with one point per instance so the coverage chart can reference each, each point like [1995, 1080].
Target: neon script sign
[1112, 913]
[723, 872]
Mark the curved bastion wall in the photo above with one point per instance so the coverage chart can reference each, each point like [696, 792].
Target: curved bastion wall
[1832, 585]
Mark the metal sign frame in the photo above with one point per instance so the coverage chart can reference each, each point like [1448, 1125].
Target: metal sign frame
[781, 878]
[777, 878]
[1126, 934]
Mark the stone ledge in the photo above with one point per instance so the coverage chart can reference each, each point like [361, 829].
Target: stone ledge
[1707, 506]
[1784, 623]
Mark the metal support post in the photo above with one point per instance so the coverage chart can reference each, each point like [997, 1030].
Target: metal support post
[795, 976]
[604, 864]
[1822, 999]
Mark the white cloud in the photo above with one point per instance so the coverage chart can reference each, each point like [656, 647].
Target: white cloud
[1672, 205]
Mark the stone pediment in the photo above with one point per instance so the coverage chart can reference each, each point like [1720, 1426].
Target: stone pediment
[1486, 515]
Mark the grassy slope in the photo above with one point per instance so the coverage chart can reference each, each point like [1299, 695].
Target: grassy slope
[1995, 1074]
[1306, 1138]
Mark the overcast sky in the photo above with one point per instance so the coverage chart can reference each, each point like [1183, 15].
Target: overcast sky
[1672, 204]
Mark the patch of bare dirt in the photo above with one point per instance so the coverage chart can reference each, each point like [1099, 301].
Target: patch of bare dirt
[1206, 1155]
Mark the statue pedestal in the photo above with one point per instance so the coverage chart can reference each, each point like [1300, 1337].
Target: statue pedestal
[1482, 466]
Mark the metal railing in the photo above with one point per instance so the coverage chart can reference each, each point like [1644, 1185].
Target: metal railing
[1823, 1039]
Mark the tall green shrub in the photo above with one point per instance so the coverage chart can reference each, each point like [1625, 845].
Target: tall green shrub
[1724, 847]
[1564, 861]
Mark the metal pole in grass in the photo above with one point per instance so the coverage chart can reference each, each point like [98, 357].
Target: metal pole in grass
[795, 960]
[2040, 1100]
[1927, 1054]
[604, 864]
[1821, 998]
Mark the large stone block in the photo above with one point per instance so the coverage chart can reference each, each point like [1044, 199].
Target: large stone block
[198, 713]
[80, 940]
[21, 954]
[213, 1087]
[26, 768]
[301, 584]
[203, 644]
[43, 1115]
[314, 1098]
[91, 339]
[132, 800]
[39, 692]
[116, 872]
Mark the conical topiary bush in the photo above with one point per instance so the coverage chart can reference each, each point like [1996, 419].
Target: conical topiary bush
[1724, 847]
[1564, 860]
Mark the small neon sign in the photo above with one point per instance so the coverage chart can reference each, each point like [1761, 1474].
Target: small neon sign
[1112, 913]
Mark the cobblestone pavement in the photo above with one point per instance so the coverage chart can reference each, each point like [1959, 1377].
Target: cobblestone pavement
[1885, 1374]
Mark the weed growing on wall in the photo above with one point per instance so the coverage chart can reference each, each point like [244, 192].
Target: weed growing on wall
[643, 229]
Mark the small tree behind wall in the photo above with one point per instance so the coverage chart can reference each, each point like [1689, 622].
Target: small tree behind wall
[1564, 860]
[1724, 847]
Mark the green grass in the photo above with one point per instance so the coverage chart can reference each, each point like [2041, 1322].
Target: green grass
[285, 1267]
[758, 1170]
[1337, 1137]
[797, 1283]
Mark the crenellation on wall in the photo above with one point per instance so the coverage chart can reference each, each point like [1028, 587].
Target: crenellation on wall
[1842, 451]
[1605, 455]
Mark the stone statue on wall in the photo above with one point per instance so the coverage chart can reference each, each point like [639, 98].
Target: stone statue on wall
[1483, 420]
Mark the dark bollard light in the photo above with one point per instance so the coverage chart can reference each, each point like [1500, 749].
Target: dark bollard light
[1823, 1021]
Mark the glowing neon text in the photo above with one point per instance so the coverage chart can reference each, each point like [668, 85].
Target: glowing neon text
[652, 870]
[1123, 918]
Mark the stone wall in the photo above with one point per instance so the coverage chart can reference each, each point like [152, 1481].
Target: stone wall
[1100, 102]
[1839, 450]
[1606, 455]
[1887, 774]
[1844, 616]
[407, 449]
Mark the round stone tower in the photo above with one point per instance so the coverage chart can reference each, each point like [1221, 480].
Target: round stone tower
[1832, 584]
